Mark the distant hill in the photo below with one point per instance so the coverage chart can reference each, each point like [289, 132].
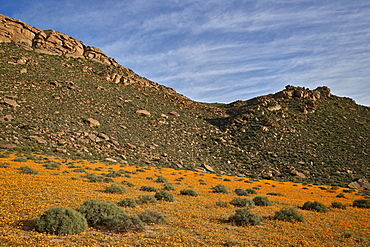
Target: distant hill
[61, 97]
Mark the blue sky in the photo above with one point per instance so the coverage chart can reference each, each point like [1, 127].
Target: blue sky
[221, 51]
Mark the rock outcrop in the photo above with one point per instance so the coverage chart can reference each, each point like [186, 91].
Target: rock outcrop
[49, 41]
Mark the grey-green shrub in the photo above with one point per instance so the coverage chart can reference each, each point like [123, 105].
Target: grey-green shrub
[146, 199]
[338, 205]
[188, 192]
[115, 188]
[289, 214]
[361, 203]
[128, 202]
[243, 217]
[60, 221]
[222, 204]
[161, 179]
[126, 223]
[262, 201]
[315, 206]
[251, 191]
[153, 217]
[241, 192]
[148, 188]
[242, 202]
[28, 170]
[163, 195]
[97, 212]
[220, 189]
[168, 186]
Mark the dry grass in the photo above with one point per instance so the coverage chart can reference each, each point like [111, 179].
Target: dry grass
[193, 221]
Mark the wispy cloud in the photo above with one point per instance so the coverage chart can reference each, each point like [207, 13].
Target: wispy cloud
[219, 51]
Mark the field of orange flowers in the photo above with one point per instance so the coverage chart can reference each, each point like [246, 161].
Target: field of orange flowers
[192, 221]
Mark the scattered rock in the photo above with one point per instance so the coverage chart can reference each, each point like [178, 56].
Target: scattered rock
[10, 146]
[143, 113]
[111, 160]
[92, 122]
[104, 136]
[360, 184]
[61, 150]
[208, 168]
[23, 71]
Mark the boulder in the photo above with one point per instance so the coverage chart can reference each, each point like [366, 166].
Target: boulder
[360, 184]
[143, 113]
[93, 122]
[11, 102]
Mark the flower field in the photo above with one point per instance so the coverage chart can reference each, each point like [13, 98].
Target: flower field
[192, 220]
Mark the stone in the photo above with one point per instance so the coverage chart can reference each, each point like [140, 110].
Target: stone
[93, 122]
[104, 136]
[360, 184]
[10, 146]
[274, 108]
[143, 113]
[11, 102]
[111, 160]
[23, 71]
[40, 140]
[173, 113]
[6, 118]
[208, 168]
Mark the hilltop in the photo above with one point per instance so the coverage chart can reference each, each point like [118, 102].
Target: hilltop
[61, 97]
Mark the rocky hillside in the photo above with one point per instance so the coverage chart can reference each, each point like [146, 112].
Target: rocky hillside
[61, 97]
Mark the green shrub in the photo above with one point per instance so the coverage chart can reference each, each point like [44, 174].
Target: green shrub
[262, 201]
[148, 188]
[126, 223]
[340, 195]
[153, 217]
[188, 192]
[115, 188]
[242, 202]
[168, 186]
[61, 220]
[251, 191]
[129, 184]
[20, 160]
[243, 217]
[113, 174]
[161, 179]
[97, 212]
[241, 192]
[362, 203]
[128, 202]
[289, 214]
[146, 199]
[338, 205]
[220, 189]
[315, 206]
[93, 178]
[163, 195]
[28, 170]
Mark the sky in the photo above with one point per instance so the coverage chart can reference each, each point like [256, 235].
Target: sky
[221, 51]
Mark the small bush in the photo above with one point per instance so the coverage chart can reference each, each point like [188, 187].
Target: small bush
[338, 205]
[129, 184]
[362, 203]
[20, 160]
[262, 201]
[126, 223]
[289, 214]
[163, 195]
[93, 178]
[168, 186]
[188, 192]
[115, 188]
[241, 192]
[153, 217]
[315, 206]
[340, 195]
[97, 212]
[4, 165]
[146, 199]
[61, 220]
[251, 191]
[220, 189]
[28, 170]
[113, 174]
[242, 202]
[148, 188]
[161, 179]
[128, 202]
[222, 204]
[243, 217]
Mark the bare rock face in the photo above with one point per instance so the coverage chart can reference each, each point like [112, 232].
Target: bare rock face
[360, 184]
[48, 41]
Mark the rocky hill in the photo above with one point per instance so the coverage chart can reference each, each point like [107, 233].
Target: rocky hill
[61, 97]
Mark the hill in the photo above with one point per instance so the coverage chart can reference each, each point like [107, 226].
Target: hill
[61, 97]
